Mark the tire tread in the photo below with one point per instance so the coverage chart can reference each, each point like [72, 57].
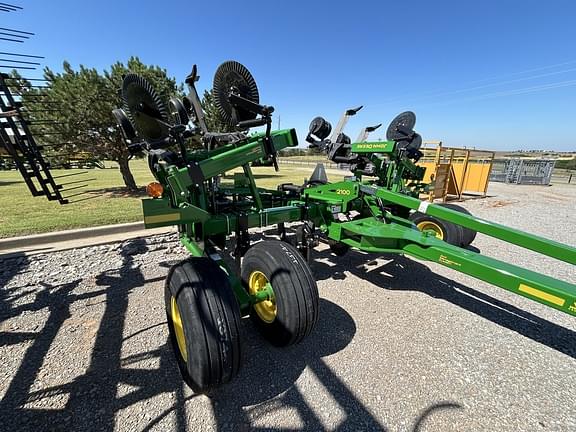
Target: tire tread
[299, 290]
[210, 298]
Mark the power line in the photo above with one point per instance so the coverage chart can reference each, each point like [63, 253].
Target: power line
[21, 55]
[16, 31]
[571, 62]
[520, 91]
[497, 84]
[437, 93]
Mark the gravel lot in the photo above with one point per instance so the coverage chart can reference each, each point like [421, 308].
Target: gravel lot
[401, 345]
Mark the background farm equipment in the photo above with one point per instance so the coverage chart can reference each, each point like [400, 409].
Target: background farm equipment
[23, 111]
[20, 148]
[518, 171]
[376, 209]
[456, 172]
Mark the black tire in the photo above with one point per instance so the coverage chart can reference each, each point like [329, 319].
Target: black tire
[449, 232]
[295, 302]
[468, 235]
[210, 322]
[338, 248]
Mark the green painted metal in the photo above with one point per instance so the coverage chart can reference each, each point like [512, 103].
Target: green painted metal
[266, 294]
[252, 185]
[236, 155]
[510, 235]
[206, 212]
[372, 235]
[244, 299]
[535, 286]
[374, 147]
[193, 247]
[159, 213]
[340, 194]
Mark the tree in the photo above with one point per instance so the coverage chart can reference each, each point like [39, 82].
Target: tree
[18, 85]
[80, 105]
[214, 121]
[566, 164]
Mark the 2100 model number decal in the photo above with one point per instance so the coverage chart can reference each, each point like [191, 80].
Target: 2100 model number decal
[343, 191]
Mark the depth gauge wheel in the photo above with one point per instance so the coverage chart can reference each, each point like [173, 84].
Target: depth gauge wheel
[204, 321]
[444, 230]
[468, 235]
[290, 310]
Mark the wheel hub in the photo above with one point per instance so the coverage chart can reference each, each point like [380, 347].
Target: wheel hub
[266, 309]
[431, 226]
[178, 329]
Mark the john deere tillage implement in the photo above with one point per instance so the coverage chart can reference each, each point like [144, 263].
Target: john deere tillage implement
[377, 210]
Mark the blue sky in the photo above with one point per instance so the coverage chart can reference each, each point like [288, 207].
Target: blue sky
[486, 74]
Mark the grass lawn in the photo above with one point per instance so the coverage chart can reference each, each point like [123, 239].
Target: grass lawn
[103, 201]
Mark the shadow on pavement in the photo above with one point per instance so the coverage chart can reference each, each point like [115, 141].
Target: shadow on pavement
[271, 373]
[401, 273]
[267, 380]
[12, 265]
[434, 409]
[93, 402]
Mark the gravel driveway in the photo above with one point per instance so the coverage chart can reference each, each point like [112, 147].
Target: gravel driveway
[401, 345]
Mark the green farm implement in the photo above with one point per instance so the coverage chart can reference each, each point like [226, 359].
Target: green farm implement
[376, 209]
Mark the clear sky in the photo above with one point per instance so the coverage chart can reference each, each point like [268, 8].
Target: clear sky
[489, 74]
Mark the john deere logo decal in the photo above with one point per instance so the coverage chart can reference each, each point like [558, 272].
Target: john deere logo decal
[445, 260]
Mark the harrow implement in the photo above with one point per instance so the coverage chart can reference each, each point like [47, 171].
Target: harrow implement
[376, 209]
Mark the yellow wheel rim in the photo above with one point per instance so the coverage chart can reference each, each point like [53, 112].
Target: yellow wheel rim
[266, 309]
[178, 329]
[431, 226]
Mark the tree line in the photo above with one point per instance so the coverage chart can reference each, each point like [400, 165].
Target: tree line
[73, 112]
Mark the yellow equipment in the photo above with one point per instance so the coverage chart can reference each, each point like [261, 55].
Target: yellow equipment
[455, 171]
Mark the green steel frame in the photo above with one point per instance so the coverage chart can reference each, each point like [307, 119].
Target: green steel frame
[392, 234]
[207, 212]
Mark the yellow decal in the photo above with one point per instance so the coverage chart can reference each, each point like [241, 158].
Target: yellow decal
[572, 308]
[343, 191]
[169, 217]
[444, 260]
[558, 301]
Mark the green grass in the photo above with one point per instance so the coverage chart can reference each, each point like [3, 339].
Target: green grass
[104, 200]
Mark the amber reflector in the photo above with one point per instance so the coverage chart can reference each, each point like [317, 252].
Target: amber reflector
[154, 190]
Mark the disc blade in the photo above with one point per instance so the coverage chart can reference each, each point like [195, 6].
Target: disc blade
[144, 108]
[233, 75]
[406, 119]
